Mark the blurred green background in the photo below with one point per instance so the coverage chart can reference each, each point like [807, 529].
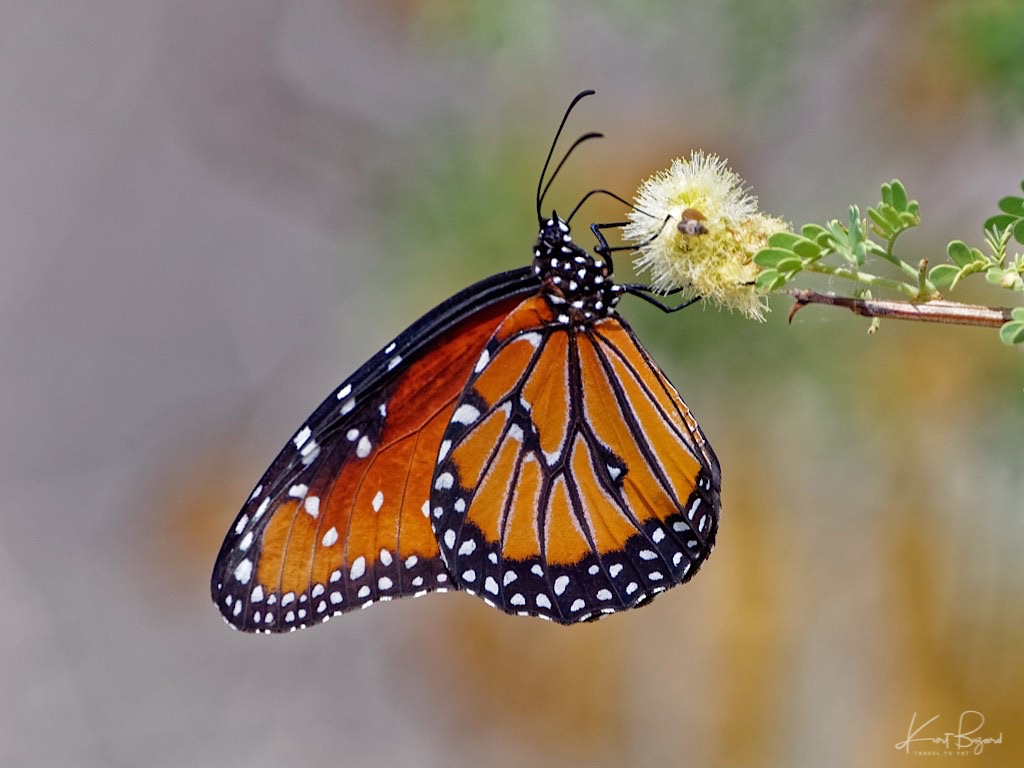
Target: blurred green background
[214, 211]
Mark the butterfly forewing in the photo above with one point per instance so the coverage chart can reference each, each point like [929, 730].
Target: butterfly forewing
[572, 479]
[340, 519]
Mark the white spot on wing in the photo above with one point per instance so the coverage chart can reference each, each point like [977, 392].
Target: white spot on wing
[485, 358]
[243, 571]
[344, 391]
[309, 452]
[693, 507]
[533, 338]
[330, 538]
[378, 501]
[358, 567]
[465, 414]
[560, 584]
[363, 447]
[348, 405]
[298, 491]
[302, 436]
[312, 506]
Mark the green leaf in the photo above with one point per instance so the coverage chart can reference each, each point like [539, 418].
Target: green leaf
[959, 253]
[784, 240]
[813, 232]
[893, 217]
[943, 275]
[1018, 231]
[769, 280]
[807, 249]
[1012, 205]
[881, 225]
[1000, 221]
[790, 266]
[1012, 332]
[770, 257]
[994, 275]
[899, 195]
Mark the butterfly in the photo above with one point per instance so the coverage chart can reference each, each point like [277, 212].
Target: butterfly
[517, 442]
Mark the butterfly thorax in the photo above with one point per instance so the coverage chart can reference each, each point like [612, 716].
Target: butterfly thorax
[576, 284]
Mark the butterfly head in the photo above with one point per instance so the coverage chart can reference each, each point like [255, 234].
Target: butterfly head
[577, 284]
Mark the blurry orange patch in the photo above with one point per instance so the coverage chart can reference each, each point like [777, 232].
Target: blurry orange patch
[553, 696]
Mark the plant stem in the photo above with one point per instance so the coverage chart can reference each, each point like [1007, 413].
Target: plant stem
[926, 311]
[864, 278]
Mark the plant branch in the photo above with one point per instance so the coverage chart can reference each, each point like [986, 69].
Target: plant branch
[935, 311]
[865, 278]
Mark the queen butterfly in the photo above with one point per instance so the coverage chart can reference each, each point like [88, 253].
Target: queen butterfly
[517, 442]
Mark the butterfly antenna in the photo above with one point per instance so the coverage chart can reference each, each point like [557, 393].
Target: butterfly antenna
[608, 193]
[541, 188]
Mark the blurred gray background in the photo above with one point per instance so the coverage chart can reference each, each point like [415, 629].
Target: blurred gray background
[212, 212]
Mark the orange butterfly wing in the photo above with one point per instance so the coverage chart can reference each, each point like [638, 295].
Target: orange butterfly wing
[572, 480]
[339, 520]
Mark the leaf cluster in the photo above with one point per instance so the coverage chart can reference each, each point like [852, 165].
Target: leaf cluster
[853, 243]
[852, 250]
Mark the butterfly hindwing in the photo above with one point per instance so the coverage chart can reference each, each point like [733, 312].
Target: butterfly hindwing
[340, 519]
[572, 480]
